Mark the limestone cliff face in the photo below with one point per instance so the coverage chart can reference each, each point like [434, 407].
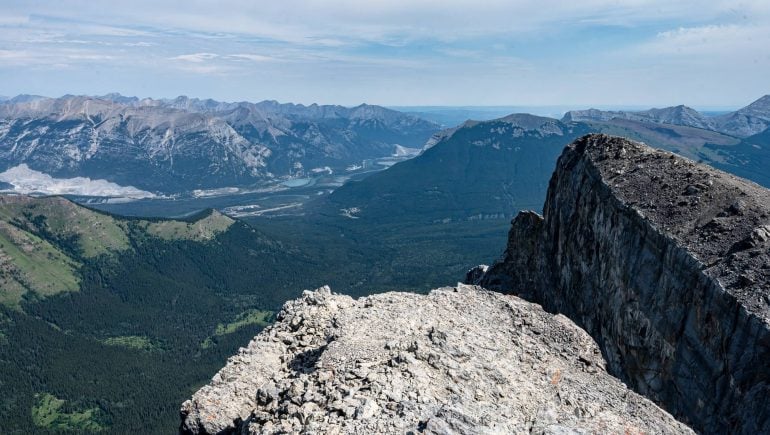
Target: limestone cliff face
[459, 360]
[666, 263]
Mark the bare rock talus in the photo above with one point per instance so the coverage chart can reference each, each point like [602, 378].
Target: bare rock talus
[666, 263]
[459, 360]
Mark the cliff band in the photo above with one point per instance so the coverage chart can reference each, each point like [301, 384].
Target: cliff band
[665, 263]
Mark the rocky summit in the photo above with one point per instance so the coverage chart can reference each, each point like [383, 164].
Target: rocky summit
[458, 360]
[666, 263]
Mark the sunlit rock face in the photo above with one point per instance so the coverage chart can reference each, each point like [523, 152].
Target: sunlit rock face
[458, 360]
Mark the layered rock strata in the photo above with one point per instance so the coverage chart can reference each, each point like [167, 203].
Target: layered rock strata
[459, 360]
[666, 263]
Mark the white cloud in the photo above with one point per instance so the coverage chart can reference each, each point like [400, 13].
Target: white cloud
[251, 57]
[338, 22]
[195, 57]
[715, 40]
[395, 51]
[139, 44]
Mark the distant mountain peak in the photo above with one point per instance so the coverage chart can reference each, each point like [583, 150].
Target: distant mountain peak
[528, 121]
[25, 98]
[676, 115]
[761, 107]
[540, 125]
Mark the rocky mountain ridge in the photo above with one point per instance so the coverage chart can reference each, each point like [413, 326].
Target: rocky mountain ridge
[183, 144]
[678, 115]
[664, 262]
[459, 360]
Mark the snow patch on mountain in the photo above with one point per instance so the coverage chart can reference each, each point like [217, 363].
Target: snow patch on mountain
[26, 180]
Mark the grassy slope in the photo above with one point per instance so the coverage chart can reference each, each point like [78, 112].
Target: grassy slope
[27, 262]
[95, 233]
[111, 312]
[200, 230]
[50, 413]
[43, 242]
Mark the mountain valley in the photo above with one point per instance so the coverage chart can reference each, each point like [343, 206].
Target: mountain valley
[106, 307]
[146, 292]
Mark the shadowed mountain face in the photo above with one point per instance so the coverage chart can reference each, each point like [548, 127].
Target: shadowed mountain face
[481, 170]
[183, 144]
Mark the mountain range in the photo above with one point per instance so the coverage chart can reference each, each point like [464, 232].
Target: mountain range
[661, 262]
[493, 169]
[742, 123]
[171, 146]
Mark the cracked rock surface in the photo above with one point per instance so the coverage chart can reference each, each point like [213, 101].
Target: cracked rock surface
[458, 360]
[666, 263]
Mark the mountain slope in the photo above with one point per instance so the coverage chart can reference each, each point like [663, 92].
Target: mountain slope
[171, 146]
[480, 170]
[110, 310]
[494, 168]
[748, 121]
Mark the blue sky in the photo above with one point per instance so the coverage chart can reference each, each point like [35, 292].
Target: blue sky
[396, 52]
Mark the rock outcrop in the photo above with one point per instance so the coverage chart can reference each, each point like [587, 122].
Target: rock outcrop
[459, 360]
[666, 263]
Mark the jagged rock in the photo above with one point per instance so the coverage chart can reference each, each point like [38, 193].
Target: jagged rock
[459, 360]
[665, 263]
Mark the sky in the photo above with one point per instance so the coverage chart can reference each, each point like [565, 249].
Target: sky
[703, 53]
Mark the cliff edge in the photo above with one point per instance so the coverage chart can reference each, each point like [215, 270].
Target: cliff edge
[666, 263]
[459, 360]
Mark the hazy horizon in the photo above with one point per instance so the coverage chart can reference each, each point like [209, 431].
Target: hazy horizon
[393, 53]
[419, 107]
